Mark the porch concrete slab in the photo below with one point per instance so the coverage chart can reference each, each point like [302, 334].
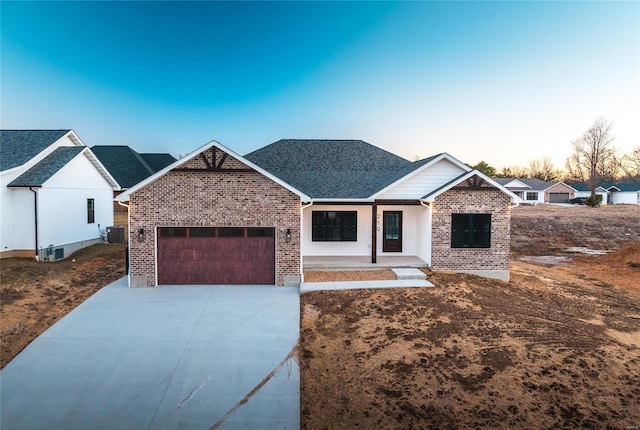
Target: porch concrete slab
[162, 358]
[341, 262]
[305, 287]
[409, 273]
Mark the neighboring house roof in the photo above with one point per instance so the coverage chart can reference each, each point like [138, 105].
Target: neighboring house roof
[125, 195]
[40, 173]
[158, 161]
[127, 166]
[533, 184]
[19, 146]
[341, 169]
[608, 186]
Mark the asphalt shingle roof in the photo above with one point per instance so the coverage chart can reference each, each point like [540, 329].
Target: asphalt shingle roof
[37, 175]
[158, 161]
[534, 183]
[333, 168]
[127, 166]
[19, 146]
[583, 186]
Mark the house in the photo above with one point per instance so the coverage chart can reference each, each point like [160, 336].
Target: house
[611, 193]
[215, 217]
[535, 191]
[129, 167]
[56, 195]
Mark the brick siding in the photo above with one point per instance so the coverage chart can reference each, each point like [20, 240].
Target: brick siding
[453, 201]
[191, 199]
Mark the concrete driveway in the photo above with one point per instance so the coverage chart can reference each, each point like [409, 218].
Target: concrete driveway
[191, 357]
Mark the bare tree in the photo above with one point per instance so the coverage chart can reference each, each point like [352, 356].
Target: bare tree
[512, 172]
[591, 153]
[543, 169]
[631, 164]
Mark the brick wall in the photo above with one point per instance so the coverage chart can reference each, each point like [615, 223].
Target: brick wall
[491, 201]
[191, 199]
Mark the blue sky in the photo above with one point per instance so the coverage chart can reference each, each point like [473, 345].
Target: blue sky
[504, 82]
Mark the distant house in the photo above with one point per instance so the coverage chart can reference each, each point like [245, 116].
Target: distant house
[216, 217]
[535, 191]
[56, 196]
[611, 193]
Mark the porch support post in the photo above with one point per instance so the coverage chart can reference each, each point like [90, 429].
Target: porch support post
[374, 232]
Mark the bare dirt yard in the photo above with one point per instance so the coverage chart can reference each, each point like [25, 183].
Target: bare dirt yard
[34, 296]
[556, 347]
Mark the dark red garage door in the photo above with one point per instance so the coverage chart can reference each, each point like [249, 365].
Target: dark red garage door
[216, 255]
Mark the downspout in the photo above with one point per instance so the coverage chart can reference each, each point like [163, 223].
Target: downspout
[302, 208]
[127, 251]
[35, 215]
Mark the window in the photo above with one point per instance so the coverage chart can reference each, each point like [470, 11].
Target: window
[260, 232]
[335, 226]
[532, 195]
[470, 230]
[202, 232]
[173, 231]
[230, 232]
[91, 211]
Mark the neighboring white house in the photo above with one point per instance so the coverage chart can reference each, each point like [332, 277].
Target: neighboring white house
[612, 194]
[55, 196]
[534, 191]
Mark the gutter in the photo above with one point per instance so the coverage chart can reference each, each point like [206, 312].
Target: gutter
[35, 213]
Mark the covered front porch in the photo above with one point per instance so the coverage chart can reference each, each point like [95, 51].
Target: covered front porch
[341, 262]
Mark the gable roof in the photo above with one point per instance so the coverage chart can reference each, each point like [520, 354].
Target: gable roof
[19, 146]
[40, 173]
[339, 169]
[125, 195]
[430, 197]
[534, 184]
[127, 166]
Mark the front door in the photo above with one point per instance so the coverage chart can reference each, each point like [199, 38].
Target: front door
[392, 228]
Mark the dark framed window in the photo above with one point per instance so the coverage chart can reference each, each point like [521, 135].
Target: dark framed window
[173, 231]
[202, 232]
[532, 195]
[334, 226]
[230, 232]
[259, 232]
[470, 230]
[91, 211]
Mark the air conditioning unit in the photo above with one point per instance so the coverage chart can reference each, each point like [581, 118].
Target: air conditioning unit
[115, 234]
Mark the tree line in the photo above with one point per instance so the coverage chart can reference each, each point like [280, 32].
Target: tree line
[594, 159]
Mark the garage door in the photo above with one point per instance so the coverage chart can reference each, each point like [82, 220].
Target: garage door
[558, 197]
[216, 255]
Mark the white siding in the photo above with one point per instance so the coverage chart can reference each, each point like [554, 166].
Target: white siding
[359, 248]
[416, 232]
[413, 234]
[17, 229]
[62, 210]
[625, 197]
[424, 182]
[423, 234]
[516, 184]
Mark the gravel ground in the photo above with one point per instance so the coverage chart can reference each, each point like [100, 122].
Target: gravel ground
[360, 275]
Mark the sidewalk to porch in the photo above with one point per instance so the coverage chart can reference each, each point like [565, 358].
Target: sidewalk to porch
[340, 262]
